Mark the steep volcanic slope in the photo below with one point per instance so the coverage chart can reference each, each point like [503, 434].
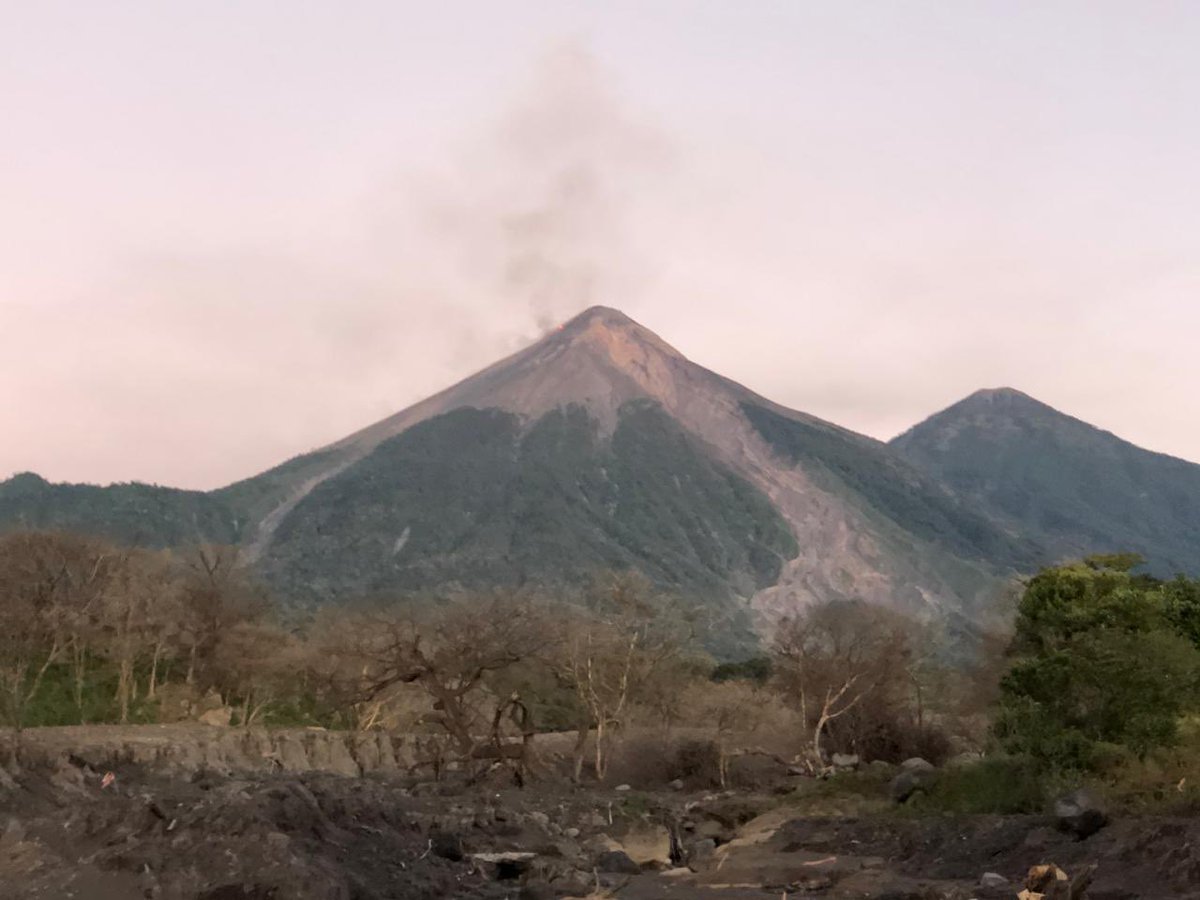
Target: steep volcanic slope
[602, 446]
[1070, 486]
[476, 498]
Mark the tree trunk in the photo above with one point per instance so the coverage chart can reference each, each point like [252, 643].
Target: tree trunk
[581, 735]
[821, 723]
[123, 676]
[41, 673]
[79, 666]
[601, 762]
[152, 687]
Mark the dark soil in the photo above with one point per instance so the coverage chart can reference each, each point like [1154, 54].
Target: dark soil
[328, 837]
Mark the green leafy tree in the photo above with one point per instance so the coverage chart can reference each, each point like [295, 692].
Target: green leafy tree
[1181, 605]
[1098, 656]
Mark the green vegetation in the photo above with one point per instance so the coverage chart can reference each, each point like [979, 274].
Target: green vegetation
[757, 669]
[1100, 656]
[476, 498]
[142, 514]
[254, 498]
[1070, 487]
[996, 786]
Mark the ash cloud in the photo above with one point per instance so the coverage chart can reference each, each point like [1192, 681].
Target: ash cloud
[219, 363]
[540, 210]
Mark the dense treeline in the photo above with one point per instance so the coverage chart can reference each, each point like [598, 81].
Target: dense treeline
[94, 632]
[91, 632]
[1103, 666]
[1103, 661]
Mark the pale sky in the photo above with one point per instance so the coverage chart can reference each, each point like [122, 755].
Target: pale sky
[232, 231]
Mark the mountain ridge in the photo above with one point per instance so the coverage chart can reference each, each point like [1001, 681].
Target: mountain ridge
[1073, 487]
[600, 361]
[599, 446]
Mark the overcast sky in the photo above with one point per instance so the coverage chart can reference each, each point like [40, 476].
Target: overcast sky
[234, 230]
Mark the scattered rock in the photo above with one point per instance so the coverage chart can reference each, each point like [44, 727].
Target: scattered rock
[1038, 838]
[734, 811]
[1080, 813]
[617, 862]
[447, 845]
[278, 840]
[992, 880]
[219, 717]
[647, 844]
[719, 832]
[505, 866]
[845, 760]
[572, 833]
[701, 849]
[916, 764]
[912, 780]
[622, 787]
[1047, 881]
[676, 785]
[539, 819]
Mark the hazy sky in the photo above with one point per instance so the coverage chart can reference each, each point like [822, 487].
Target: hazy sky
[235, 230]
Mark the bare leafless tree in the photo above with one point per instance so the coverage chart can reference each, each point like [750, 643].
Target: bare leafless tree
[609, 651]
[449, 651]
[51, 586]
[835, 656]
[216, 594]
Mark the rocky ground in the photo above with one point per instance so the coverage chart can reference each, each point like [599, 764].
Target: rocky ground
[67, 830]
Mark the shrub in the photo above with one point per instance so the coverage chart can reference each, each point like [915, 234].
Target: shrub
[891, 735]
[995, 786]
[698, 763]
[757, 669]
[645, 761]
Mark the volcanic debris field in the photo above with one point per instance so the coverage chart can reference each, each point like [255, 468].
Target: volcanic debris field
[176, 813]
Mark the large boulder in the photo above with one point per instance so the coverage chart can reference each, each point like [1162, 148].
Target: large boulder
[647, 843]
[617, 862]
[913, 779]
[699, 849]
[447, 845]
[220, 717]
[1080, 813]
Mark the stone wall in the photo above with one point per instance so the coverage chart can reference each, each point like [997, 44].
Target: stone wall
[185, 749]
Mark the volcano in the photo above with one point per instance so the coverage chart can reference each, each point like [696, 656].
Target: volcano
[602, 447]
[598, 447]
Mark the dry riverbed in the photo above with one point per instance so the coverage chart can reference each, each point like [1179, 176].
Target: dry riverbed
[209, 831]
